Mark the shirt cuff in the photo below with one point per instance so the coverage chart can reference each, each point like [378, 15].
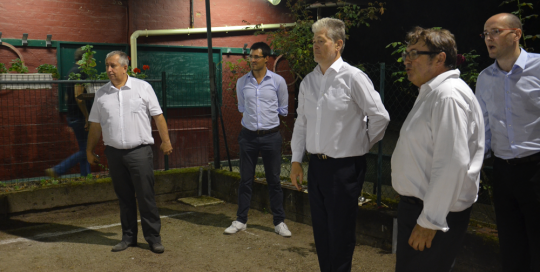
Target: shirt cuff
[425, 223]
[297, 157]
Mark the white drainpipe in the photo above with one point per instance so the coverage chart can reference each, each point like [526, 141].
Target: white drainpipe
[165, 32]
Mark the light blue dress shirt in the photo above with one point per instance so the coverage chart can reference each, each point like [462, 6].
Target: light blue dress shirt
[510, 103]
[261, 103]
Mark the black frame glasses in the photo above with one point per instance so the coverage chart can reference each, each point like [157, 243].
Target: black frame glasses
[414, 54]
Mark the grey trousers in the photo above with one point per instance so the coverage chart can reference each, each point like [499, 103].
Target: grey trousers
[132, 174]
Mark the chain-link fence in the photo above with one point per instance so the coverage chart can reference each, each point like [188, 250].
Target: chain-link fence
[36, 135]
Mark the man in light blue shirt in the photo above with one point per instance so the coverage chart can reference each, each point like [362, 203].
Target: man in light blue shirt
[262, 97]
[509, 94]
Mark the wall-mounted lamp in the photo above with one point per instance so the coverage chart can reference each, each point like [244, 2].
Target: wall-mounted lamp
[49, 38]
[0, 37]
[274, 2]
[25, 39]
[244, 48]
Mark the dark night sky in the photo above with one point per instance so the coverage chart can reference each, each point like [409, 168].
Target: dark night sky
[464, 18]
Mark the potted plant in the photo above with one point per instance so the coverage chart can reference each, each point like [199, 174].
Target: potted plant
[19, 72]
[86, 66]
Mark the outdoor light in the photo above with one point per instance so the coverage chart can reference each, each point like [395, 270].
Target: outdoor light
[274, 2]
[0, 37]
[25, 39]
[244, 48]
[49, 37]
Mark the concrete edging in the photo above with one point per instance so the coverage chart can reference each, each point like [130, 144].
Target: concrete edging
[373, 228]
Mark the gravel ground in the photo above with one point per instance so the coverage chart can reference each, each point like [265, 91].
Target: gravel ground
[80, 239]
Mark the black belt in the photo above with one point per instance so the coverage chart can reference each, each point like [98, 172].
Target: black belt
[517, 161]
[322, 156]
[261, 132]
[412, 200]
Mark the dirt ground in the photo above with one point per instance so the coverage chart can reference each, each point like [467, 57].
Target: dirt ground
[81, 238]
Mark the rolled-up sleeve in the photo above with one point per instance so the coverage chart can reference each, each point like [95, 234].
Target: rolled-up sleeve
[283, 97]
[240, 93]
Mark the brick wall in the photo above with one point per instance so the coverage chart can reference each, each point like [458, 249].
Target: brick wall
[109, 21]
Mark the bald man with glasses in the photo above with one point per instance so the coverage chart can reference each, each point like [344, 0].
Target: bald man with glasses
[509, 94]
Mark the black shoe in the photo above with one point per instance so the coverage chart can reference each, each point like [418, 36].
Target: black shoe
[122, 246]
[157, 248]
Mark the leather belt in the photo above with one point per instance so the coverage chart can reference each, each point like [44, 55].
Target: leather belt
[322, 156]
[518, 161]
[261, 132]
[412, 200]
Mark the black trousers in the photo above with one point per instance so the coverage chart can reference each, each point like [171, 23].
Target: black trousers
[444, 247]
[132, 173]
[334, 186]
[269, 146]
[516, 195]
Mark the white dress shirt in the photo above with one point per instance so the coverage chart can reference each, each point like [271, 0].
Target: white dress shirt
[440, 150]
[124, 114]
[332, 110]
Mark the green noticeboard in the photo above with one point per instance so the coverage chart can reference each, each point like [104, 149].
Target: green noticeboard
[188, 83]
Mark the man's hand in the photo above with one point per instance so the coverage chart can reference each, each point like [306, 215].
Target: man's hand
[92, 158]
[421, 237]
[297, 172]
[86, 125]
[166, 147]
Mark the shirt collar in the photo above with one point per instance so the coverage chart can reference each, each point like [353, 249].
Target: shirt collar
[521, 62]
[438, 80]
[128, 84]
[268, 74]
[336, 66]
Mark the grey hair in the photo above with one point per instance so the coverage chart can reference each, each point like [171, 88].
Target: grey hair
[335, 29]
[123, 60]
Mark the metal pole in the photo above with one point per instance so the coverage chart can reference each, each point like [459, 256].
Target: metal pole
[215, 131]
[164, 100]
[380, 158]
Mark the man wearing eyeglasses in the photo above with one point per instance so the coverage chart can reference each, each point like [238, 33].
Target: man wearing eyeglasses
[437, 161]
[336, 103]
[509, 93]
[262, 97]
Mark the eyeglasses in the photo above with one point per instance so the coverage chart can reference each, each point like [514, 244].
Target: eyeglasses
[494, 33]
[255, 57]
[414, 54]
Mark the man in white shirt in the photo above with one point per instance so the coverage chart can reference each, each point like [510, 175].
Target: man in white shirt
[333, 103]
[122, 110]
[437, 161]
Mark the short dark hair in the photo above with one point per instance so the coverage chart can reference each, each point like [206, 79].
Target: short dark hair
[437, 40]
[78, 54]
[263, 46]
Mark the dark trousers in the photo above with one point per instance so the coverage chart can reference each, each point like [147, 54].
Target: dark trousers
[132, 173]
[269, 145]
[77, 125]
[444, 247]
[334, 186]
[516, 196]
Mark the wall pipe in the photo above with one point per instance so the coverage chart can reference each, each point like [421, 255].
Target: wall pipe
[167, 32]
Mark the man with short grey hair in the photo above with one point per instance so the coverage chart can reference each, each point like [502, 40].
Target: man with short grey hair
[334, 102]
[121, 111]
